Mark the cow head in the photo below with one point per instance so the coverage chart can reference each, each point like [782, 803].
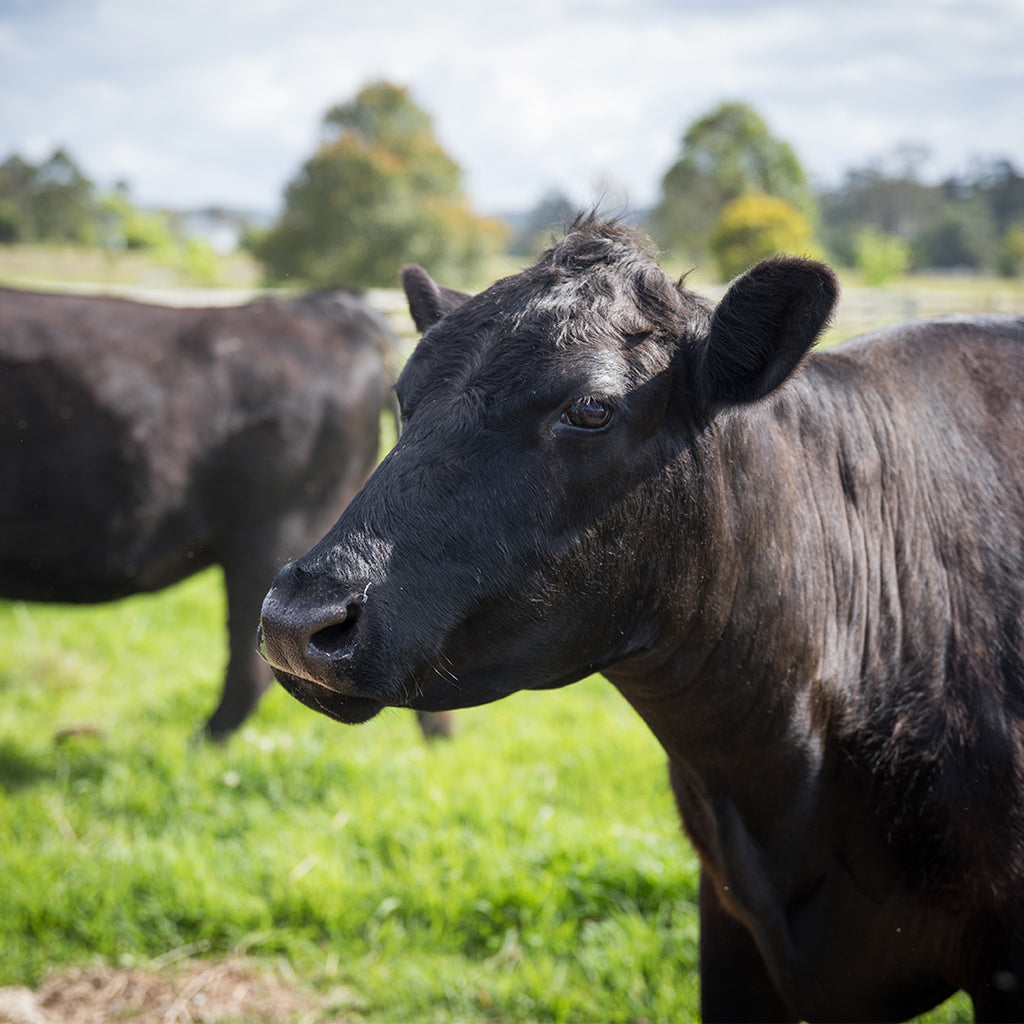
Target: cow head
[530, 526]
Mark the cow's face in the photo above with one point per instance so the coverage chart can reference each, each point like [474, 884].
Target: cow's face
[519, 534]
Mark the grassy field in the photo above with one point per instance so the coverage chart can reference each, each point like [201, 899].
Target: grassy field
[531, 869]
[238, 276]
[32, 266]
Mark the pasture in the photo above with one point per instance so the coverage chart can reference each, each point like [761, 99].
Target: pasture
[531, 869]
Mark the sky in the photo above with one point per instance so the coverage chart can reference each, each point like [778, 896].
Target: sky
[219, 102]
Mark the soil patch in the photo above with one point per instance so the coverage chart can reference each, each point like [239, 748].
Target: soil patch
[196, 991]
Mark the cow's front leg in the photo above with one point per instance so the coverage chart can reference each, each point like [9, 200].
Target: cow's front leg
[734, 982]
[246, 581]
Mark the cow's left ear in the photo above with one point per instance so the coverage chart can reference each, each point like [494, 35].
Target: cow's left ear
[762, 328]
[428, 301]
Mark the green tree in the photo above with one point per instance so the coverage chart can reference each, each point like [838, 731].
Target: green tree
[889, 199]
[1010, 260]
[958, 223]
[880, 257]
[959, 235]
[1001, 189]
[16, 200]
[63, 201]
[384, 116]
[51, 202]
[380, 191]
[10, 222]
[726, 154]
[131, 228]
[754, 226]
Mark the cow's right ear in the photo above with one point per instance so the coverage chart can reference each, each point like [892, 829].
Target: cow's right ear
[428, 301]
[764, 325]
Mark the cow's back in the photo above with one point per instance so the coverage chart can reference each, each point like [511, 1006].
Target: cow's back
[943, 401]
[933, 508]
[135, 438]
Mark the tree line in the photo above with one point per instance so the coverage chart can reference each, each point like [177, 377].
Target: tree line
[379, 191]
[54, 202]
[737, 193]
[973, 221]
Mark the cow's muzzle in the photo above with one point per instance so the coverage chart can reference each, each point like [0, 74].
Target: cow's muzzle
[309, 638]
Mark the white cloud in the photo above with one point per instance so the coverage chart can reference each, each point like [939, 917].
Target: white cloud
[220, 100]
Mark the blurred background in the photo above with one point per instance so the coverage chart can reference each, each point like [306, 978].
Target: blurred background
[306, 143]
[188, 151]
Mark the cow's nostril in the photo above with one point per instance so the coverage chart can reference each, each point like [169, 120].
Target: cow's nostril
[333, 639]
[306, 630]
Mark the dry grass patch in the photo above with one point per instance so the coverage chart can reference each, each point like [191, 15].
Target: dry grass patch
[194, 991]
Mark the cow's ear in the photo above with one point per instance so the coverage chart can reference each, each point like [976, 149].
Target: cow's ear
[428, 301]
[762, 328]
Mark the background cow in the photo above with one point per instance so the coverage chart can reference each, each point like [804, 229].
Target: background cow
[140, 444]
[807, 576]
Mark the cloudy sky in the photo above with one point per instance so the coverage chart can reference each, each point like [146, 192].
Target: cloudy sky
[197, 102]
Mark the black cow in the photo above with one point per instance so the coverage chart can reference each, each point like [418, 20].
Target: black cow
[807, 576]
[141, 443]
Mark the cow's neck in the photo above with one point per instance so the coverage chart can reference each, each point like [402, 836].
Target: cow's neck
[737, 668]
[753, 682]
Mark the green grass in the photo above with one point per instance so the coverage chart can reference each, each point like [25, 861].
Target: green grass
[530, 869]
[50, 266]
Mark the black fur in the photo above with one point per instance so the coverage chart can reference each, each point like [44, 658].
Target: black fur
[806, 573]
[140, 444]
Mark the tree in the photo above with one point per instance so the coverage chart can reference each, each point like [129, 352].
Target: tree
[959, 235]
[754, 226]
[16, 199]
[728, 153]
[1001, 188]
[887, 195]
[958, 223]
[63, 201]
[10, 222]
[1010, 261]
[53, 201]
[385, 116]
[131, 228]
[379, 192]
[880, 257]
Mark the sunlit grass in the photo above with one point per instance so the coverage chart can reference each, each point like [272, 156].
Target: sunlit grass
[51, 266]
[530, 869]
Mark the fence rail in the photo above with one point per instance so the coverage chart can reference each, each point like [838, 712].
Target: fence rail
[860, 309]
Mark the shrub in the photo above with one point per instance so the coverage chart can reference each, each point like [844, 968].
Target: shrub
[755, 226]
[880, 257]
[1011, 252]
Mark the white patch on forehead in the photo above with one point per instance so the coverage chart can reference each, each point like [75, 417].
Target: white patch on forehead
[604, 369]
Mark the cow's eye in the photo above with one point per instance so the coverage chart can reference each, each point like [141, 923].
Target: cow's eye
[588, 413]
